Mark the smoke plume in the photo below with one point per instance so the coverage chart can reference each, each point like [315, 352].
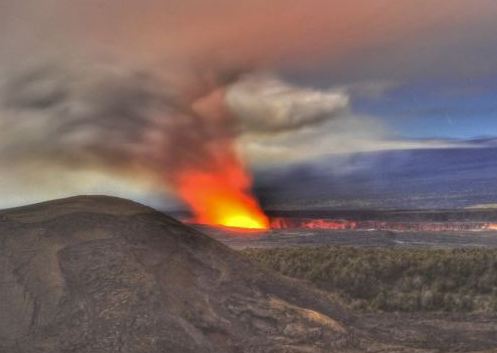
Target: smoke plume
[151, 89]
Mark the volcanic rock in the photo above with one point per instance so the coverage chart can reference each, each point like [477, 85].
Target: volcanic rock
[102, 275]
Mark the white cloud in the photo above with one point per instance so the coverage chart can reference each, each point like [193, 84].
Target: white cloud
[267, 104]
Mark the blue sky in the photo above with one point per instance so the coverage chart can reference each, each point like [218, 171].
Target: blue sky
[457, 108]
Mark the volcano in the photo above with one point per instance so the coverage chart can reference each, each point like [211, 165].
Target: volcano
[101, 274]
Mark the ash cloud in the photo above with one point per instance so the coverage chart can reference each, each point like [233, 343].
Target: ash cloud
[109, 119]
[133, 121]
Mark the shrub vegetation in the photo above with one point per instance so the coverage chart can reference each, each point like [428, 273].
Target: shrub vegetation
[378, 279]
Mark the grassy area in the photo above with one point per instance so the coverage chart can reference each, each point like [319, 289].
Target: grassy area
[394, 279]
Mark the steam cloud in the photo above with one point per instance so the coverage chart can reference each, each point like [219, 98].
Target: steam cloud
[267, 104]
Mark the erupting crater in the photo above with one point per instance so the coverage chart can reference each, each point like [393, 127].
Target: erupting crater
[396, 221]
[222, 198]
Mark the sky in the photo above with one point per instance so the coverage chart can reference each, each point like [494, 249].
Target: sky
[458, 109]
[123, 97]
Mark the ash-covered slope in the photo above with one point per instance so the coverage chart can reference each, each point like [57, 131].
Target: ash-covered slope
[100, 274]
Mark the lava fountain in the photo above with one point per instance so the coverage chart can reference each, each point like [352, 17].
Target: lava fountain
[222, 197]
[210, 177]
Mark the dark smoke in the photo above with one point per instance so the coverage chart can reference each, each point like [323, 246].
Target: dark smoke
[112, 120]
[130, 121]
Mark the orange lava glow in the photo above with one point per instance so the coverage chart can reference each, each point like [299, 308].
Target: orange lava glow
[491, 226]
[221, 197]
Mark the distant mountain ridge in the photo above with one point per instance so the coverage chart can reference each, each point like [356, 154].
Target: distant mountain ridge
[400, 179]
